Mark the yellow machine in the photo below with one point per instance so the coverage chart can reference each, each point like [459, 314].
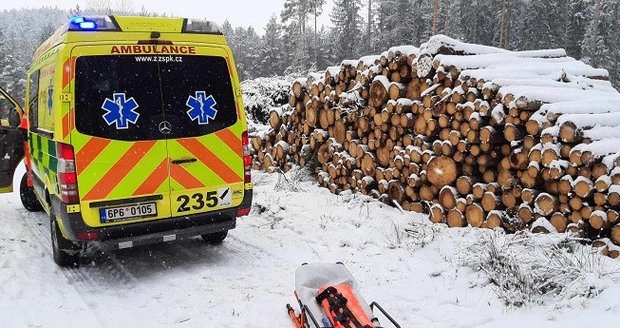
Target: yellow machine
[135, 134]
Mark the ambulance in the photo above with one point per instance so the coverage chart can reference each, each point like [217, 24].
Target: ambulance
[133, 132]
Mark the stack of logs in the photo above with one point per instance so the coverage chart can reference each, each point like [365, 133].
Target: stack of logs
[431, 137]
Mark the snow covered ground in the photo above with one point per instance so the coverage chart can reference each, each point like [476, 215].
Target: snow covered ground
[425, 277]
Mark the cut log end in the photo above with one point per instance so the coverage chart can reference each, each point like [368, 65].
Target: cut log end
[442, 171]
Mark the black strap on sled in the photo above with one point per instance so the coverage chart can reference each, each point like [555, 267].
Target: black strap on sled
[338, 306]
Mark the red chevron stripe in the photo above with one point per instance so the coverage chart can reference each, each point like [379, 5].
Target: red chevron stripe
[119, 170]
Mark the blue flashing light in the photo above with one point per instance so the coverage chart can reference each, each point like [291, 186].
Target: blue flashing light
[83, 24]
[88, 25]
[77, 20]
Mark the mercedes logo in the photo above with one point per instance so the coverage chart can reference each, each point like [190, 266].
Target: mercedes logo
[165, 127]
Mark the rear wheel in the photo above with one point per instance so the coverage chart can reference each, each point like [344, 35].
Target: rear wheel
[65, 252]
[215, 238]
[29, 199]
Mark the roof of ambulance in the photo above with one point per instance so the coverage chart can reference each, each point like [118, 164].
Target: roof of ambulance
[130, 30]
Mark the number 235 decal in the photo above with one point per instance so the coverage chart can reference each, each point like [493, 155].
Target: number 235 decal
[199, 201]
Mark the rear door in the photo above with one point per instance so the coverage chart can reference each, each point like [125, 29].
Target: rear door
[11, 140]
[204, 146]
[156, 129]
[121, 156]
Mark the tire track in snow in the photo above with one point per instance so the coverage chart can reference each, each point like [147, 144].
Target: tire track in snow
[110, 266]
[85, 279]
[80, 282]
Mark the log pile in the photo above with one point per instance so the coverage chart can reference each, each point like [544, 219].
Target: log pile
[472, 135]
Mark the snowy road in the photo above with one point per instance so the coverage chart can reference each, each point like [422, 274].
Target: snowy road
[247, 281]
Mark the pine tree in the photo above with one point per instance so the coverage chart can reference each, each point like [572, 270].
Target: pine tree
[144, 13]
[600, 45]
[449, 18]
[370, 22]
[75, 11]
[325, 47]
[545, 24]
[347, 24]
[504, 26]
[396, 23]
[578, 18]
[475, 22]
[436, 11]
[99, 6]
[271, 49]
[13, 72]
[613, 65]
[46, 32]
[294, 17]
[229, 33]
[247, 58]
[316, 9]
[421, 18]
[516, 26]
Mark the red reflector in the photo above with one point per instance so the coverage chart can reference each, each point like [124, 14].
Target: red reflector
[244, 138]
[67, 178]
[87, 235]
[247, 160]
[243, 211]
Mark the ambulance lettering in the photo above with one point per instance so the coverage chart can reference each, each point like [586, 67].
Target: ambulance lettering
[202, 108]
[120, 111]
[154, 49]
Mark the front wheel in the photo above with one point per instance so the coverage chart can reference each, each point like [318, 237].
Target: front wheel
[215, 238]
[65, 252]
[26, 194]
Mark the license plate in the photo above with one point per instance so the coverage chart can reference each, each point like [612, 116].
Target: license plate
[115, 214]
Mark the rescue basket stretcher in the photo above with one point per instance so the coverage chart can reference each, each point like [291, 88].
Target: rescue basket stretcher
[329, 296]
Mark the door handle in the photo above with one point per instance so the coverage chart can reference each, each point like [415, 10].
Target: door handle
[183, 161]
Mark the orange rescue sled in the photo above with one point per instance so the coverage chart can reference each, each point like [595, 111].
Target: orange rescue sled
[329, 297]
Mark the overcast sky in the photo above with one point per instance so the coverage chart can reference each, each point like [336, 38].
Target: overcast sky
[254, 13]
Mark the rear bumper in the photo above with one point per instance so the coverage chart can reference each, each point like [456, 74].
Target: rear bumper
[205, 226]
[160, 230]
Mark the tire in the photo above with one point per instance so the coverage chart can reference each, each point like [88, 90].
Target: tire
[65, 252]
[215, 238]
[29, 199]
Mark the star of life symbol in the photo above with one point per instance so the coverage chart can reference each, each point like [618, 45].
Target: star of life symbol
[50, 97]
[202, 108]
[120, 111]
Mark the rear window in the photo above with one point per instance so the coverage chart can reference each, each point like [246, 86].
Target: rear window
[147, 98]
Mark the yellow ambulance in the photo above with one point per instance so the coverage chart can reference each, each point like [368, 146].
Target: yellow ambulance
[135, 134]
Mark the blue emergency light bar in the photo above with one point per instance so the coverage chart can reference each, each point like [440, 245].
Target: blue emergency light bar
[83, 24]
[93, 23]
[109, 23]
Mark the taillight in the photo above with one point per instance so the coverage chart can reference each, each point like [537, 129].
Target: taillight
[67, 176]
[89, 235]
[243, 211]
[247, 158]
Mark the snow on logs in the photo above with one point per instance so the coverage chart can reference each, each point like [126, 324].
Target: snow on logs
[473, 135]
